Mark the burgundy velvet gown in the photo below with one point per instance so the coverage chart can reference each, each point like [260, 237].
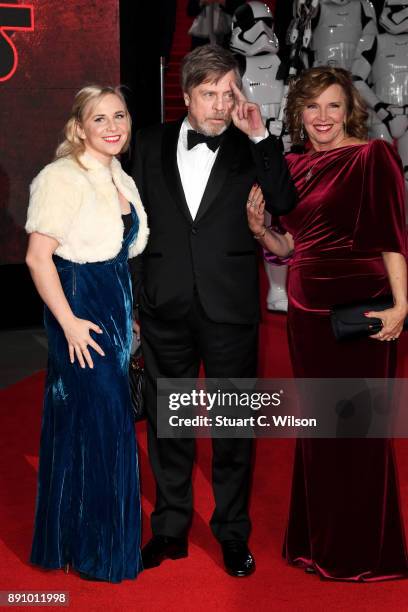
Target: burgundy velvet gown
[344, 517]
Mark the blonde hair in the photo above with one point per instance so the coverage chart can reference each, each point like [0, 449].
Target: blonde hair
[310, 85]
[84, 101]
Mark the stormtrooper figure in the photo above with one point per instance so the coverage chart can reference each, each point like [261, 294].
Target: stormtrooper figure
[256, 44]
[384, 63]
[299, 33]
[256, 47]
[337, 29]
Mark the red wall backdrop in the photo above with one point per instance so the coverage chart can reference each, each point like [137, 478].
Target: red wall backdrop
[73, 43]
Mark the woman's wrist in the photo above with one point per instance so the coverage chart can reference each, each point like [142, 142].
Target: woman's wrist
[261, 233]
[401, 305]
[66, 320]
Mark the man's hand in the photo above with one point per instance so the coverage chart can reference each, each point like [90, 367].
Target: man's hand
[246, 115]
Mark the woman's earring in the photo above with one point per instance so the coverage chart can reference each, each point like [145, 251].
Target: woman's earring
[302, 132]
[345, 128]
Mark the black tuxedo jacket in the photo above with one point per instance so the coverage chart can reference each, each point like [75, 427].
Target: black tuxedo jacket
[215, 254]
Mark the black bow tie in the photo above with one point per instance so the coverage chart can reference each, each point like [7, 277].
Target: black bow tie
[194, 138]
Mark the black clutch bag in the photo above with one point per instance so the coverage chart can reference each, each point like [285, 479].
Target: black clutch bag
[137, 384]
[348, 320]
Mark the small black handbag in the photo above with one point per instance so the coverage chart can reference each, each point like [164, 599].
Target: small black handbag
[137, 384]
[348, 320]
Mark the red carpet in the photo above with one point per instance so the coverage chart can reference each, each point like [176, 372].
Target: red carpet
[199, 582]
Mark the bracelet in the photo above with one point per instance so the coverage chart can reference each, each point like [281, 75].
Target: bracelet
[259, 236]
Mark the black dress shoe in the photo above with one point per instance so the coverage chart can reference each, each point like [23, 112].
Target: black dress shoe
[238, 559]
[160, 548]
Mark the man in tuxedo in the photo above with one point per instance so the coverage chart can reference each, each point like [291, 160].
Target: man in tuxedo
[198, 298]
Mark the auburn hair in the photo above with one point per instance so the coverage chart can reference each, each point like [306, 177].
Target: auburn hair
[309, 85]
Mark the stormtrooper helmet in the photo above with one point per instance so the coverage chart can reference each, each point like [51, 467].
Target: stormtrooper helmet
[394, 16]
[252, 30]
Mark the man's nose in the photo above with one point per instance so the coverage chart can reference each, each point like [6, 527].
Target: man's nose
[219, 102]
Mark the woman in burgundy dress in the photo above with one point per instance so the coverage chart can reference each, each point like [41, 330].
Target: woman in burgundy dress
[347, 235]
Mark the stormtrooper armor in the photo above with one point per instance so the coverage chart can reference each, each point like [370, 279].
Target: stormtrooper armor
[384, 62]
[256, 45]
[337, 29]
[300, 30]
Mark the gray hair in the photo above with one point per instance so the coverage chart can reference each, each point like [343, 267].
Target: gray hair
[207, 63]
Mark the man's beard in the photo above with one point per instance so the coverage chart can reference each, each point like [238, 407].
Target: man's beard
[215, 130]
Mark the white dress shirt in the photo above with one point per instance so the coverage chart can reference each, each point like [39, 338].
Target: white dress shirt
[195, 167]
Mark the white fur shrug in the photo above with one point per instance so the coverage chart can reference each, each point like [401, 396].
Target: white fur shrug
[80, 209]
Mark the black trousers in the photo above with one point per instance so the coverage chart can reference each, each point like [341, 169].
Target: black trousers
[175, 349]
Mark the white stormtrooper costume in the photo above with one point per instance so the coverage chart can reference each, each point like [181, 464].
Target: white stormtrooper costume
[253, 37]
[384, 62]
[337, 29]
[299, 33]
[256, 44]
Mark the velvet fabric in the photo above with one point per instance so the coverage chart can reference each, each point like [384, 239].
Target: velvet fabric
[88, 503]
[344, 518]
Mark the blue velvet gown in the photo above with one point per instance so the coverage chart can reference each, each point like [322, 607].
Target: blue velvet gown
[88, 503]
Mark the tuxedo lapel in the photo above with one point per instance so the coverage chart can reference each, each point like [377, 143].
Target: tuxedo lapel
[170, 168]
[225, 159]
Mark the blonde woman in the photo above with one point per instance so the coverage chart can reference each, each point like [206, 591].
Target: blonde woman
[85, 219]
